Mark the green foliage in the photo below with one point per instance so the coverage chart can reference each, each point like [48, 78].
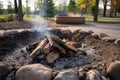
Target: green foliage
[9, 18]
[72, 6]
[1, 7]
[9, 8]
[92, 9]
[85, 5]
[3, 20]
[6, 17]
[47, 8]
[50, 9]
[118, 10]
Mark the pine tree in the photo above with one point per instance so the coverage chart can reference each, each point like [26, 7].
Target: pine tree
[72, 6]
[47, 8]
[51, 9]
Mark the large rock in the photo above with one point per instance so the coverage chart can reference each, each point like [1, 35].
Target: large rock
[108, 39]
[67, 75]
[34, 72]
[95, 35]
[76, 31]
[94, 75]
[102, 35]
[66, 31]
[117, 42]
[86, 32]
[113, 71]
[4, 71]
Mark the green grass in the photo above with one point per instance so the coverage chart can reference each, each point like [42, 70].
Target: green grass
[3, 15]
[103, 19]
[87, 18]
[37, 17]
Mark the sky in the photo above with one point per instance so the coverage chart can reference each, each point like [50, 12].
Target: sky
[5, 2]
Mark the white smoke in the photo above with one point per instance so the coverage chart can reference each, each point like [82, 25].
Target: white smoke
[41, 26]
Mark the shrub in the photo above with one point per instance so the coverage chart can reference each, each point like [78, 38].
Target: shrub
[3, 20]
[10, 18]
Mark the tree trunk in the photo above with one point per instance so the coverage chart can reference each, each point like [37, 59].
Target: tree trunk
[115, 12]
[111, 12]
[16, 8]
[96, 11]
[104, 11]
[27, 8]
[111, 9]
[20, 13]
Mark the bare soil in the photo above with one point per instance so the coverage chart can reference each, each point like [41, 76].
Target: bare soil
[15, 25]
[108, 51]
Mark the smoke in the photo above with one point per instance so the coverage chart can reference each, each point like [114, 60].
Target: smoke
[41, 26]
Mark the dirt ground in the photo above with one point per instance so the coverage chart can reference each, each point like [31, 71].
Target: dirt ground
[108, 51]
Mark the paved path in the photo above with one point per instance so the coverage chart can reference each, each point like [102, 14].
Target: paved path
[112, 30]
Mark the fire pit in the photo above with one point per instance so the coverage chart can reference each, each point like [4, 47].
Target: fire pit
[58, 50]
[70, 20]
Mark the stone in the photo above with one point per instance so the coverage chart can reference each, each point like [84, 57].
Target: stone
[51, 57]
[108, 39]
[1, 35]
[4, 71]
[90, 32]
[84, 32]
[67, 75]
[82, 75]
[10, 33]
[95, 35]
[102, 35]
[66, 32]
[117, 42]
[113, 71]
[76, 31]
[34, 72]
[94, 75]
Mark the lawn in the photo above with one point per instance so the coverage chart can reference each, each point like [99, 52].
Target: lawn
[3, 15]
[103, 19]
[87, 18]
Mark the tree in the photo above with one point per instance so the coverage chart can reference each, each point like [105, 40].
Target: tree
[85, 4]
[37, 4]
[105, 7]
[20, 13]
[48, 10]
[1, 7]
[72, 6]
[9, 7]
[118, 10]
[51, 9]
[115, 4]
[96, 11]
[27, 7]
[15, 6]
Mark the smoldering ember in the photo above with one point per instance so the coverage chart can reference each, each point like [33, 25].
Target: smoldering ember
[56, 54]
